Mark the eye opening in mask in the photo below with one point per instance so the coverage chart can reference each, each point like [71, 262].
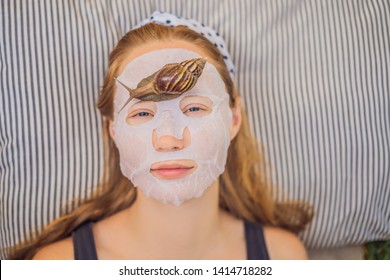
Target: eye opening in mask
[141, 112]
[196, 106]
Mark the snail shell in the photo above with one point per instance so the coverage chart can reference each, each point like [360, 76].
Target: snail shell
[169, 82]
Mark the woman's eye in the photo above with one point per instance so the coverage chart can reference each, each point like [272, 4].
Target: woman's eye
[196, 111]
[196, 106]
[142, 114]
[139, 117]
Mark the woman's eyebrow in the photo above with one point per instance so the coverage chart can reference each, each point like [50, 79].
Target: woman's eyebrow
[140, 102]
[196, 95]
[197, 98]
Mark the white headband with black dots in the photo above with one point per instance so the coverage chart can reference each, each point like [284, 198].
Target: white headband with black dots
[210, 34]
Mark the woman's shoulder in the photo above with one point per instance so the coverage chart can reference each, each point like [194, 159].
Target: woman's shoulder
[60, 250]
[283, 244]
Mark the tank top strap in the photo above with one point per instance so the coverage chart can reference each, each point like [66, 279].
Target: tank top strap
[83, 243]
[255, 244]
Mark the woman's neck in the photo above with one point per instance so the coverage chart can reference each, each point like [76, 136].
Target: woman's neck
[184, 231]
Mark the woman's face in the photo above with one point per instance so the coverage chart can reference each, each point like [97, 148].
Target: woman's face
[172, 150]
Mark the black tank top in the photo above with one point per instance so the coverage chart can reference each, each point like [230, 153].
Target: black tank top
[84, 244]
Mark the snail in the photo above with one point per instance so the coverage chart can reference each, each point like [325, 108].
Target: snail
[169, 82]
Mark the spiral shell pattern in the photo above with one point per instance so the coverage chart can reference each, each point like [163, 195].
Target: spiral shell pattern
[180, 77]
[169, 82]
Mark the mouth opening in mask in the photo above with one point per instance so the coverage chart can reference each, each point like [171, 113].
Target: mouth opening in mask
[173, 169]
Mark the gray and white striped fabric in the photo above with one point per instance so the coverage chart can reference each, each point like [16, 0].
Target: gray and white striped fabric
[314, 76]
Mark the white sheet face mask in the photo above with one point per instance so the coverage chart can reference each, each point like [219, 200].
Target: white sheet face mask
[150, 133]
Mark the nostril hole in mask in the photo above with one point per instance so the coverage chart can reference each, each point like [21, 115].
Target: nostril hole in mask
[167, 142]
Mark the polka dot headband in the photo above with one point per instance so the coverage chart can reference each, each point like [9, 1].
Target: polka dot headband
[207, 32]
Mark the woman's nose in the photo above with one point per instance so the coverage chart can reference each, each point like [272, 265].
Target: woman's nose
[168, 143]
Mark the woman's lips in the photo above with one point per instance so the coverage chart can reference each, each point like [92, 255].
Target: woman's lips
[172, 169]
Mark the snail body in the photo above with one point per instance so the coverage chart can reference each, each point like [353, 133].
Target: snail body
[169, 82]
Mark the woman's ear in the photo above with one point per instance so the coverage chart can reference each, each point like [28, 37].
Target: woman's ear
[237, 118]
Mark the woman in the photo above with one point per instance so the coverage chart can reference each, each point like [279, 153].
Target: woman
[187, 204]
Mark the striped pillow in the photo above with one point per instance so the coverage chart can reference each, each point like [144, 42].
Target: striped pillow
[314, 76]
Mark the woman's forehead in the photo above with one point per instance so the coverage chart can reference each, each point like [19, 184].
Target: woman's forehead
[148, 63]
[161, 45]
[209, 83]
